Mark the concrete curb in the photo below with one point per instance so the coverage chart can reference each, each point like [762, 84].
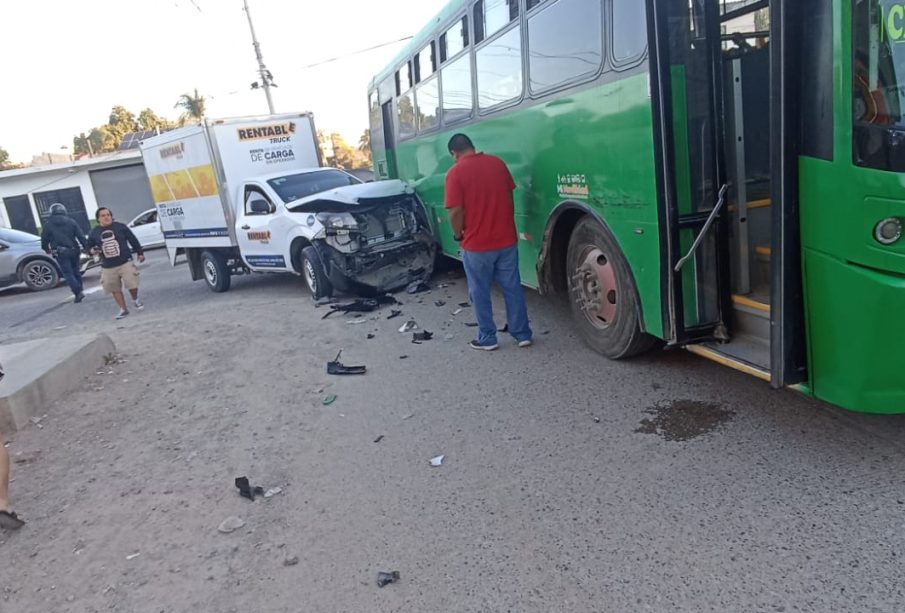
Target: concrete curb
[39, 372]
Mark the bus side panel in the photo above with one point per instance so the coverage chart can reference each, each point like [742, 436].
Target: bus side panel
[593, 147]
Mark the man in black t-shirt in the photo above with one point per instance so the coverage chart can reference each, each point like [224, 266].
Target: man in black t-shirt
[112, 241]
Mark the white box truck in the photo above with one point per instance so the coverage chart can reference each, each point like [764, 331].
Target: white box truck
[248, 194]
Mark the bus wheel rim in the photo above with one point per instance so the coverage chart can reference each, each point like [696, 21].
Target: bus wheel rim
[597, 289]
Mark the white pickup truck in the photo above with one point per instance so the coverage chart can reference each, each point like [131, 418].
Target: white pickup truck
[248, 195]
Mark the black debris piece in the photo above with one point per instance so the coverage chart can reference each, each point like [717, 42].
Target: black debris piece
[378, 439]
[387, 578]
[464, 304]
[403, 357]
[505, 328]
[246, 490]
[545, 332]
[394, 313]
[471, 324]
[370, 335]
[416, 287]
[338, 368]
[424, 335]
[440, 303]
[362, 305]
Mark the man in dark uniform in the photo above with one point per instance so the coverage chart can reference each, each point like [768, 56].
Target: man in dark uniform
[63, 238]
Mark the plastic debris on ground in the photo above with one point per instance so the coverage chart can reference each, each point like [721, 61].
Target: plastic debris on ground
[387, 578]
[132, 556]
[357, 321]
[449, 337]
[457, 311]
[328, 399]
[471, 324]
[362, 305]
[370, 335]
[246, 490]
[394, 313]
[407, 326]
[403, 357]
[464, 305]
[291, 561]
[416, 287]
[338, 368]
[409, 416]
[273, 492]
[378, 439]
[437, 461]
[440, 303]
[424, 335]
[230, 524]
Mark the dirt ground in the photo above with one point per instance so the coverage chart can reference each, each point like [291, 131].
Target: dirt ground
[555, 493]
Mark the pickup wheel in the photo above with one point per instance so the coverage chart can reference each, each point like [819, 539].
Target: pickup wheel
[314, 274]
[216, 273]
[39, 275]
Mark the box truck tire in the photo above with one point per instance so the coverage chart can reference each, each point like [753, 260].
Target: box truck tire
[216, 273]
[315, 275]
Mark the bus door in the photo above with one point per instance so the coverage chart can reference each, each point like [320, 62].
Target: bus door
[686, 91]
[383, 143]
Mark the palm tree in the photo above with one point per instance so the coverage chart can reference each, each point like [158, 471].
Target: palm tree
[192, 108]
[364, 141]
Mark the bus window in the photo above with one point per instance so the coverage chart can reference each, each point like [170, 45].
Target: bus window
[533, 3]
[405, 112]
[879, 57]
[457, 101]
[629, 29]
[424, 63]
[499, 68]
[491, 16]
[554, 59]
[404, 79]
[454, 40]
[427, 97]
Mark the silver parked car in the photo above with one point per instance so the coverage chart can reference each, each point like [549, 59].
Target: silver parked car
[23, 261]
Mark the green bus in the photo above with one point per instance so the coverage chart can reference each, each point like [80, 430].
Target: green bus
[725, 176]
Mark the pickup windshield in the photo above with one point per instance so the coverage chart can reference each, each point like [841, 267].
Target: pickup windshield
[879, 98]
[293, 187]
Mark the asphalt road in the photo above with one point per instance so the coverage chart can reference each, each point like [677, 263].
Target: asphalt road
[569, 483]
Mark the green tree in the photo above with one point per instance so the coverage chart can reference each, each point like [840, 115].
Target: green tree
[364, 141]
[4, 158]
[121, 122]
[192, 108]
[149, 120]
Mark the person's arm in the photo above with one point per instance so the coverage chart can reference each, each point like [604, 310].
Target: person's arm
[79, 237]
[134, 244]
[45, 240]
[93, 241]
[454, 201]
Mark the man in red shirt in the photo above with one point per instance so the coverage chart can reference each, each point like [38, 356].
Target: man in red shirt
[479, 200]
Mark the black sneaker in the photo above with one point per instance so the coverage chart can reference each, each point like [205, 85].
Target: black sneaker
[482, 346]
[79, 297]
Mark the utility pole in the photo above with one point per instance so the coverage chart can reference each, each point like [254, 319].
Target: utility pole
[266, 77]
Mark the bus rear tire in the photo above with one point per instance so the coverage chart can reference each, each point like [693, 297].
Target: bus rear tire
[314, 274]
[602, 294]
[216, 272]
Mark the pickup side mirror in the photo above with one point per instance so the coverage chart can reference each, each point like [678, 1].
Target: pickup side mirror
[261, 207]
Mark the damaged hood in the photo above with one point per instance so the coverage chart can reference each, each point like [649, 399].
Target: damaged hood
[342, 199]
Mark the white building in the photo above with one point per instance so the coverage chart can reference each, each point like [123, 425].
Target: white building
[116, 180]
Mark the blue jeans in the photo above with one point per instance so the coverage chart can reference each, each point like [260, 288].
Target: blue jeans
[68, 259]
[483, 268]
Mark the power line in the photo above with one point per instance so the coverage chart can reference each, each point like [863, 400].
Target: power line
[360, 51]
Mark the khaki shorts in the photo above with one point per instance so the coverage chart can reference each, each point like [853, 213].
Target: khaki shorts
[113, 279]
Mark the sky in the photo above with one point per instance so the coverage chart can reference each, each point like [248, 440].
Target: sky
[67, 63]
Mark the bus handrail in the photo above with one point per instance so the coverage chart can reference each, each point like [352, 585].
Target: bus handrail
[707, 224]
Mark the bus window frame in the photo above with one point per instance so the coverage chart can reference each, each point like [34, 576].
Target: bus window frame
[627, 63]
[516, 24]
[437, 126]
[442, 40]
[474, 105]
[416, 62]
[569, 83]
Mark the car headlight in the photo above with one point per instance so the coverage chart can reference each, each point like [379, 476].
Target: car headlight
[337, 221]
